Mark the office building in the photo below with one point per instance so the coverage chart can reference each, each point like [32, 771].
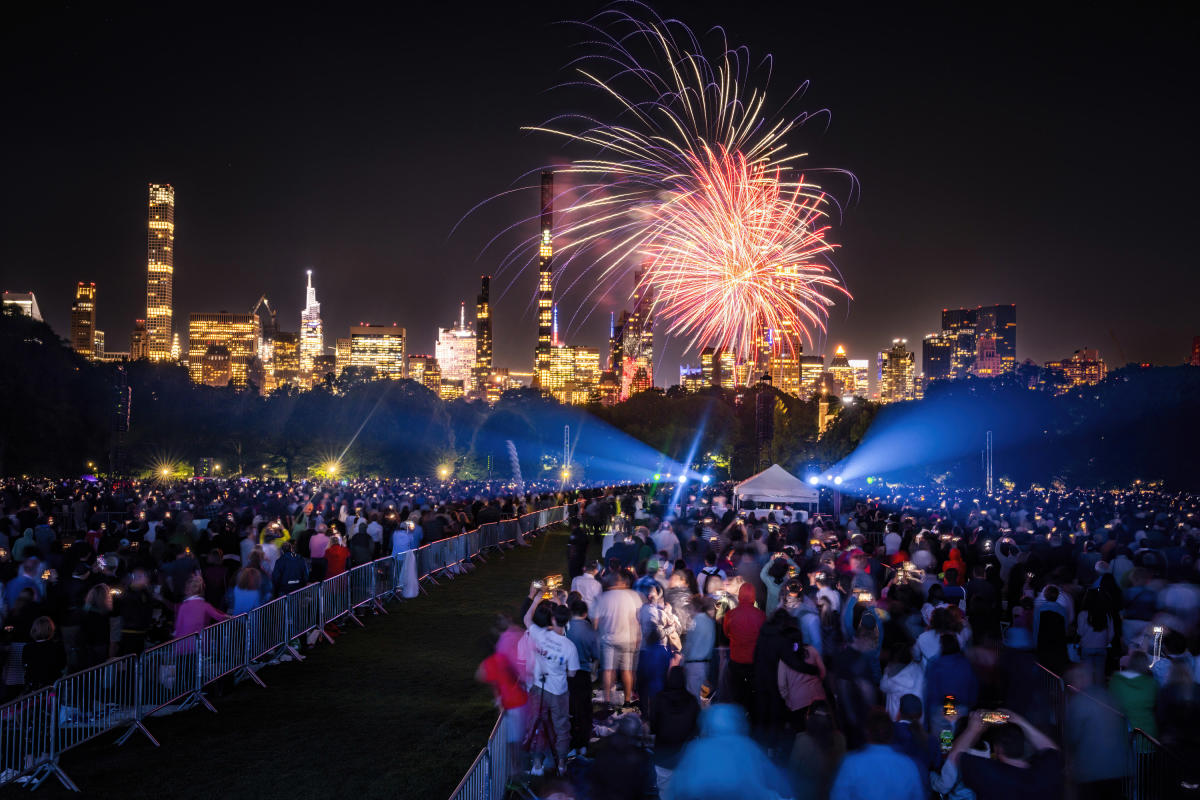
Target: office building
[312, 333]
[483, 336]
[285, 361]
[98, 345]
[897, 373]
[1195, 359]
[83, 320]
[845, 378]
[160, 274]
[139, 341]
[958, 326]
[609, 388]
[574, 374]
[811, 369]
[784, 364]
[861, 367]
[380, 348]
[545, 291]
[999, 322]
[1084, 368]
[455, 352]
[214, 367]
[691, 379]
[988, 363]
[324, 369]
[237, 334]
[631, 341]
[342, 357]
[937, 356]
[24, 303]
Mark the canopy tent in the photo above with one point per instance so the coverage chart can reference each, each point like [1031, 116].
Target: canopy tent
[775, 485]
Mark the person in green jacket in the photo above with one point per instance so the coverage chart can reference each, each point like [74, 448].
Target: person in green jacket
[1135, 691]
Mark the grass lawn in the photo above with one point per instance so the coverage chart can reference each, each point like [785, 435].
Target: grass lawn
[389, 711]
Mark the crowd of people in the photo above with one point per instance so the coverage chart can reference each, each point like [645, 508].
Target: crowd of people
[91, 570]
[927, 644]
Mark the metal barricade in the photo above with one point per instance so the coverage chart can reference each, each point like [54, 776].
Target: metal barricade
[96, 700]
[1053, 693]
[335, 601]
[267, 632]
[304, 610]
[362, 588]
[385, 579]
[476, 784]
[474, 544]
[28, 740]
[504, 754]
[223, 649]
[166, 674]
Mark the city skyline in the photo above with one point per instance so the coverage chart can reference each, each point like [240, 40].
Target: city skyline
[905, 253]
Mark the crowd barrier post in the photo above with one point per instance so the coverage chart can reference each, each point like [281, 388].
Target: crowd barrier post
[335, 601]
[267, 635]
[306, 612]
[424, 571]
[29, 740]
[166, 674]
[385, 584]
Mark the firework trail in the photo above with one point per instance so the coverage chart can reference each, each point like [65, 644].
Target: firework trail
[691, 181]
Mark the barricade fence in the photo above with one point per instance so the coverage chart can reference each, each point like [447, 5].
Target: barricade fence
[121, 694]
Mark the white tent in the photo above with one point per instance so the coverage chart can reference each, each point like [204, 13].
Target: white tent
[774, 485]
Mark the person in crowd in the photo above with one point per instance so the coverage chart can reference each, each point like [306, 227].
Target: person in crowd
[741, 625]
[878, 771]
[673, 717]
[903, 676]
[555, 660]
[337, 556]
[587, 646]
[654, 659]
[616, 620]
[1024, 760]
[725, 762]
[290, 572]
[587, 585]
[1135, 693]
[699, 646]
[1095, 737]
[949, 675]
[43, 657]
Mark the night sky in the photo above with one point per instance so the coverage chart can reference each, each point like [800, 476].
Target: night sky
[1017, 155]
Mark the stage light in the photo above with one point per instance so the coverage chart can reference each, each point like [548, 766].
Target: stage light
[838, 480]
[813, 480]
[705, 479]
[682, 480]
[657, 476]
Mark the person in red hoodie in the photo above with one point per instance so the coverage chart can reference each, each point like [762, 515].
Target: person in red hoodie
[741, 626]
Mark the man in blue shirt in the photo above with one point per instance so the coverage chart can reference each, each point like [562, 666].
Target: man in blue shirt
[877, 772]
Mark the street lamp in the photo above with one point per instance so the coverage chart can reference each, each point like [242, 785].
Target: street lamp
[166, 471]
[444, 472]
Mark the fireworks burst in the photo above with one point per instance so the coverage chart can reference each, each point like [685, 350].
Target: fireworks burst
[691, 183]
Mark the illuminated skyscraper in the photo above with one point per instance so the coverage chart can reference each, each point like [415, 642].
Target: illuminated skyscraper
[897, 373]
[424, 369]
[312, 335]
[160, 273]
[861, 367]
[379, 347]
[999, 322]
[988, 363]
[234, 339]
[844, 378]
[285, 360]
[342, 357]
[455, 351]
[24, 303]
[483, 336]
[83, 321]
[139, 343]
[717, 368]
[632, 342]
[811, 369]
[545, 293]
[1195, 359]
[937, 356]
[786, 351]
[958, 326]
[574, 374]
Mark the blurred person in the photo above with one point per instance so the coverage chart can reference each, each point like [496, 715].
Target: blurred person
[817, 753]
[95, 628]
[1095, 737]
[699, 645]
[903, 676]
[1135, 692]
[1178, 710]
[623, 769]
[724, 762]
[136, 606]
[318, 544]
[43, 657]
[215, 579]
[194, 613]
[337, 555]
[290, 572]
[654, 659]
[673, 717]
[877, 772]
[1094, 628]
[587, 585]
[949, 675]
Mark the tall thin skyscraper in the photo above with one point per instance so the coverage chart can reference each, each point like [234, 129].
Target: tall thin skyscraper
[312, 336]
[1000, 322]
[83, 320]
[483, 335]
[160, 272]
[545, 294]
